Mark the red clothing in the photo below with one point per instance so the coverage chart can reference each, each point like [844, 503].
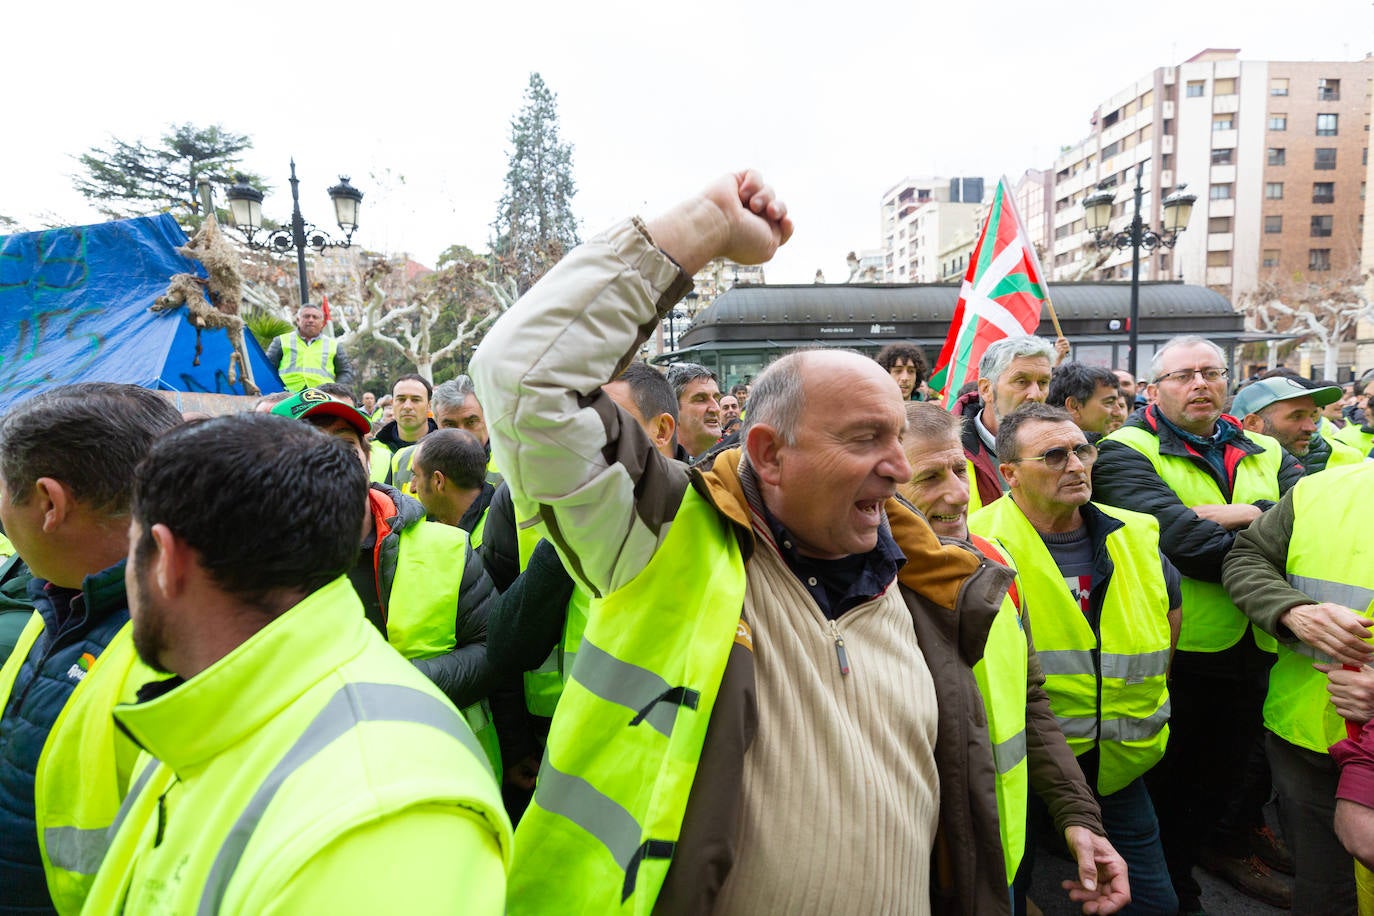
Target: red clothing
[1356, 759]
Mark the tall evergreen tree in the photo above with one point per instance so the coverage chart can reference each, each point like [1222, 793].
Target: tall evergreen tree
[135, 179]
[534, 224]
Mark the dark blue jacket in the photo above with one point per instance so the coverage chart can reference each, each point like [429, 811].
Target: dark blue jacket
[74, 623]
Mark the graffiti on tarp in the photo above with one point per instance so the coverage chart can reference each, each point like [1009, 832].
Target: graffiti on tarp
[55, 259]
[222, 384]
[40, 262]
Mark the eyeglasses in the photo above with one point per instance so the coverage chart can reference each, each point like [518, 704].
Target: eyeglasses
[1057, 458]
[1209, 374]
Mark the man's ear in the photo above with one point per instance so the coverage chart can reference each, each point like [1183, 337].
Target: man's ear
[661, 430]
[1008, 471]
[171, 564]
[54, 500]
[1253, 422]
[764, 446]
[438, 481]
[985, 390]
[1073, 406]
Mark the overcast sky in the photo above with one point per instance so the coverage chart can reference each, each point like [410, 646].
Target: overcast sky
[835, 102]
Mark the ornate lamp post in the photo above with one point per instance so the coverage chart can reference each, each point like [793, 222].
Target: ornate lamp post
[245, 212]
[1097, 212]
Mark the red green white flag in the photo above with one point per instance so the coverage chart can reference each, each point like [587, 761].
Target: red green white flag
[1003, 292]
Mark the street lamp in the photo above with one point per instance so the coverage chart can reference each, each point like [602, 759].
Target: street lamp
[245, 212]
[1097, 213]
[674, 316]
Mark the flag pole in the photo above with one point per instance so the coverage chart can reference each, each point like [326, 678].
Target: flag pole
[1058, 331]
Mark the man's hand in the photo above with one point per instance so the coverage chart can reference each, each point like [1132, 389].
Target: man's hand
[1101, 886]
[1231, 516]
[1061, 350]
[1352, 692]
[1337, 631]
[738, 217]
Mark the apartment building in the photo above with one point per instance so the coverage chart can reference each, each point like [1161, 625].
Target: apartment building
[1276, 152]
[925, 221]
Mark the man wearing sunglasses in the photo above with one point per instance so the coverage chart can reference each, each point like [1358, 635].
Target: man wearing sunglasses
[1104, 605]
[1197, 472]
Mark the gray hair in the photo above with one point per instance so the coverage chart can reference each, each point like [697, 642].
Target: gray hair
[680, 375]
[453, 393]
[1183, 340]
[1000, 354]
[777, 397]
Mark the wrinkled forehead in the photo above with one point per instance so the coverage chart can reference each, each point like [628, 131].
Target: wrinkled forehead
[1192, 356]
[1049, 433]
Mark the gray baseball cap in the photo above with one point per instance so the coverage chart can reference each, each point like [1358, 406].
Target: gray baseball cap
[1256, 396]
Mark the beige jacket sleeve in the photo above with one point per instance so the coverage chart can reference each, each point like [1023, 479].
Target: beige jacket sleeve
[574, 461]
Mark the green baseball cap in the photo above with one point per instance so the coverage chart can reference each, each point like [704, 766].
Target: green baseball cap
[1256, 396]
[312, 402]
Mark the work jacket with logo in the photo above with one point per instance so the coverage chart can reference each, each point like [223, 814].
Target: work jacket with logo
[63, 766]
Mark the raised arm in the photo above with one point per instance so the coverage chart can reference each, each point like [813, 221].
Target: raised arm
[602, 493]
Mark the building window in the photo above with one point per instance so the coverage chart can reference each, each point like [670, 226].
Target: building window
[1221, 191]
[1224, 86]
[1273, 190]
[1323, 192]
[1218, 259]
[1326, 159]
[1278, 87]
[1223, 156]
[1223, 122]
[1218, 224]
[1278, 122]
[1195, 89]
[1319, 259]
[1321, 226]
[1328, 90]
[1110, 150]
[1271, 257]
[1328, 125]
[1273, 225]
[1277, 155]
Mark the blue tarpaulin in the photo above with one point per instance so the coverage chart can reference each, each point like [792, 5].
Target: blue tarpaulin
[74, 307]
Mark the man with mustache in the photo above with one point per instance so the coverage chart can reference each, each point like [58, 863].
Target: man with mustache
[1104, 605]
[1204, 479]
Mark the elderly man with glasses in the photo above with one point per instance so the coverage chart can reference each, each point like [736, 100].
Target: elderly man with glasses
[1197, 472]
[1103, 603]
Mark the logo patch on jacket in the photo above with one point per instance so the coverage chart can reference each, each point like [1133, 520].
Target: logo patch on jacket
[82, 667]
[744, 636]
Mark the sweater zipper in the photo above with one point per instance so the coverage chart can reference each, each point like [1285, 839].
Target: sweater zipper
[840, 653]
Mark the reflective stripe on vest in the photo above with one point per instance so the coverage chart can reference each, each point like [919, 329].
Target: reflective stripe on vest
[1122, 706]
[613, 788]
[1001, 676]
[306, 364]
[76, 791]
[422, 610]
[1211, 621]
[544, 685]
[1328, 560]
[353, 705]
[403, 470]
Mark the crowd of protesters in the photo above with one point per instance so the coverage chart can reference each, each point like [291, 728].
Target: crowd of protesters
[572, 634]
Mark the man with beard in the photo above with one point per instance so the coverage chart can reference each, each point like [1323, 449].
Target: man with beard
[1012, 372]
[1104, 604]
[294, 761]
[67, 460]
[1204, 479]
[1289, 410]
